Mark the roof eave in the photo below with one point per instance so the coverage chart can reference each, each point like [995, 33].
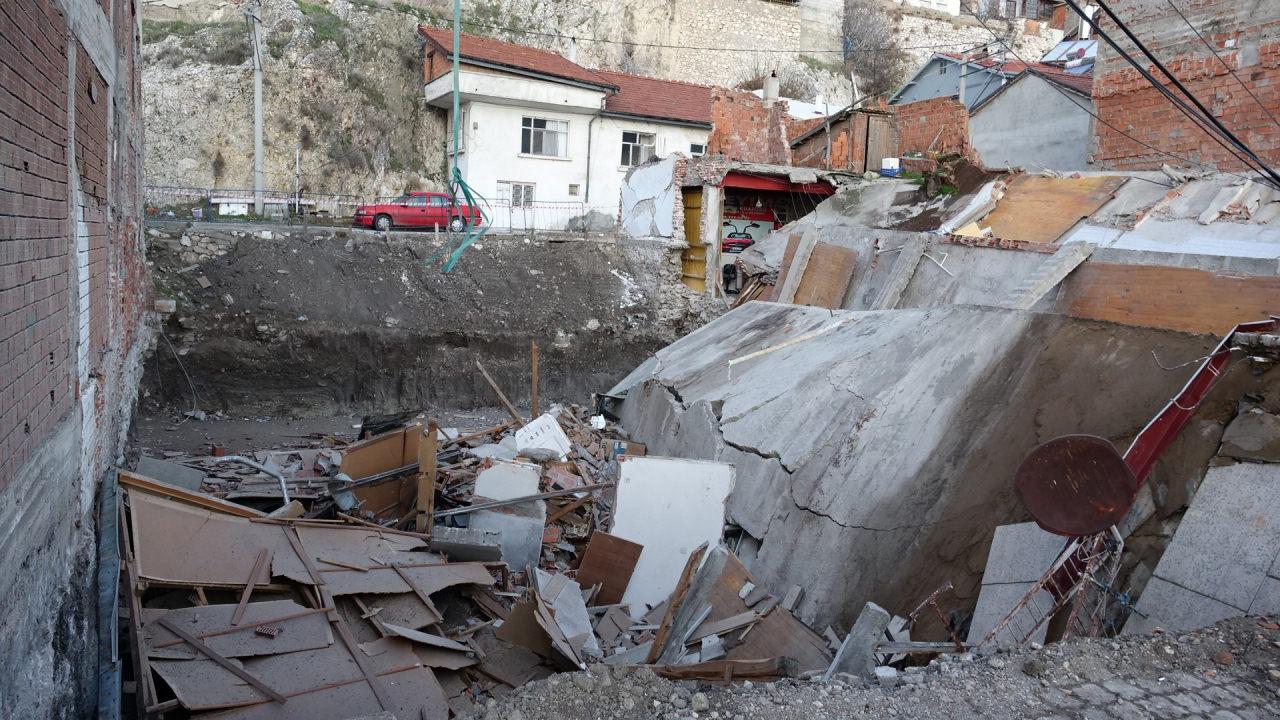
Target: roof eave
[518, 70]
[656, 118]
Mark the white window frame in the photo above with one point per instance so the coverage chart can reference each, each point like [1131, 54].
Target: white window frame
[522, 193]
[633, 151]
[701, 149]
[550, 126]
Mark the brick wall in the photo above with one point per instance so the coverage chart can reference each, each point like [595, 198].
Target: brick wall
[73, 292]
[937, 125]
[35, 376]
[1247, 35]
[848, 146]
[748, 129]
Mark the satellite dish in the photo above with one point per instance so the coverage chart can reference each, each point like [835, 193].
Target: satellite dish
[1075, 485]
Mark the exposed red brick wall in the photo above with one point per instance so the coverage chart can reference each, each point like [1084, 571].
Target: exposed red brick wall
[937, 125]
[848, 149]
[40, 303]
[748, 129]
[35, 272]
[1126, 101]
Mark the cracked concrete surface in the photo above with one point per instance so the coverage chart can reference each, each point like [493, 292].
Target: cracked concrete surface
[893, 438]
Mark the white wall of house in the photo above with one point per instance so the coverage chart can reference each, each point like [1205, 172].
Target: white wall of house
[541, 191]
[607, 170]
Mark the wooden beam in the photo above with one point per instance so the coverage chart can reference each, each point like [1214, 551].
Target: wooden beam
[428, 448]
[502, 398]
[155, 487]
[225, 663]
[264, 559]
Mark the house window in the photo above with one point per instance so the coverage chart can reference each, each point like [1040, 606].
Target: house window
[539, 136]
[521, 194]
[573, 190]
[636, 147]
[697, 150]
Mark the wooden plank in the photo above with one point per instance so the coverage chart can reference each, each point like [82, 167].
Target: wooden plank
[225, 663]
[264, 560]
[1040, 209]
[553, 517]
[427, 470]
[1185, 299]
[789, 283]
[722, 626]
[826, 279]
[673, 603]
[374, 455]
[725, 670]
[502, 398]
[155, 487]
[609, 562]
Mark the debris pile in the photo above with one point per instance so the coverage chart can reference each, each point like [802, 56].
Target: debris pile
[419, 571]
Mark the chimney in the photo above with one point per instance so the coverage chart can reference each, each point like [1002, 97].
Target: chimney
[771, 88]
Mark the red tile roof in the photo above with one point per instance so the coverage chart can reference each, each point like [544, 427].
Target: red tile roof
[1080, 82]
[658, 99]
[511, 55]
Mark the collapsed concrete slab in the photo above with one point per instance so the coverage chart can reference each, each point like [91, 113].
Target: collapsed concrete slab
[1020, 555]
[889, 439]
[1224, 560]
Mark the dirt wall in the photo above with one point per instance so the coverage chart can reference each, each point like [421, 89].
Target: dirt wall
[309, 322]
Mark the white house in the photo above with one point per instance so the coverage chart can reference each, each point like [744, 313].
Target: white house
[546, 141]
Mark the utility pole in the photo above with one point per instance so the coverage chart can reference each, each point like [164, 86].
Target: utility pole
[964, 70]
[297, 178]
[250, 14]
[455, 177]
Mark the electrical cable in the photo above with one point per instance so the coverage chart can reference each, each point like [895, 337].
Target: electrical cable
[1226, 65]
[1222, 136]
[1062, 91]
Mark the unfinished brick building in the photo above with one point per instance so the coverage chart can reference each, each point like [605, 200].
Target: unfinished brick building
[73, 286]
[1246, 35]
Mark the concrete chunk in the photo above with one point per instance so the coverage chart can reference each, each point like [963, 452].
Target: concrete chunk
[857, 653]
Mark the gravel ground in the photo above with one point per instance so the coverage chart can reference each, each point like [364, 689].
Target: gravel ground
[1228, 671]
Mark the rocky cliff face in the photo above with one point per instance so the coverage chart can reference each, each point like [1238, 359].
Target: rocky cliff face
[343, 77]
[342, 83]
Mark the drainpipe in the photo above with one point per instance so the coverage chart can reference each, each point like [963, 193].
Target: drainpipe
[586, 191]
[284, 490]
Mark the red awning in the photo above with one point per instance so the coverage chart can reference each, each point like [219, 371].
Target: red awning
[777, 184]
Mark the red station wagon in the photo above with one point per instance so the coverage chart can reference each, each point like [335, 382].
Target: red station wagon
[417, 210]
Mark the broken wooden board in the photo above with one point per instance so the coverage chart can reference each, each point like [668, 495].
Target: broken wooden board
[423, 579]
[1040, 209]
[728, 670]
[777, 633]
[318, 683]
[608, 562]
[217, 549]
[300, 629]
[771, 292]
[1185, 299]
[141, 484]
[826, 277]
[381, 453]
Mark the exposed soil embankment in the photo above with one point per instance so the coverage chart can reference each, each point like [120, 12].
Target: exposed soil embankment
[311, 322]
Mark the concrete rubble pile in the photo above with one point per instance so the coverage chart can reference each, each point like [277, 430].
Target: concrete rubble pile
[419, 571]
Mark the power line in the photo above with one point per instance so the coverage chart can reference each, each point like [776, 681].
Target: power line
[1061, 91]
[1222, 135]
[1225, 64]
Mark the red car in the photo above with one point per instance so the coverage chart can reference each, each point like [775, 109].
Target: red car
[417, 210]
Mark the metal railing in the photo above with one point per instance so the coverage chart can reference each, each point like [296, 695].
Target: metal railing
[196, 204]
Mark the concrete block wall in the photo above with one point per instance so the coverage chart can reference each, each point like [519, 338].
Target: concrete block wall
[937, 125]
[1246, 35]
[73, 288]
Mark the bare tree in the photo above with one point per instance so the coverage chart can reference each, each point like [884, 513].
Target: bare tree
[871, 53]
